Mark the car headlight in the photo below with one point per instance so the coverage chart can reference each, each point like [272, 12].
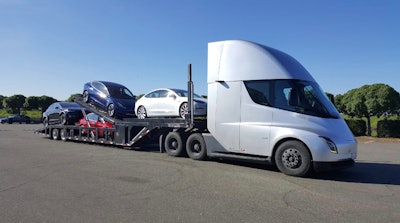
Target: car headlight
[331, 144]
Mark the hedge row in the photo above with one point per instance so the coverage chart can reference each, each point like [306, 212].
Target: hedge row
[389, 129]
[385, 128]
[357, 126]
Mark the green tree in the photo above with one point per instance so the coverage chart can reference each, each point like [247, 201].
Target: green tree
[139, 96]
[1, 101]
[14, 103]
[339, 104]
[72, 97]
[31, 102]
[369, 100]
[45, 102]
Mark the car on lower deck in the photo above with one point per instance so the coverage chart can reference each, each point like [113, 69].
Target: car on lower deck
[63, 113]
[92, 120]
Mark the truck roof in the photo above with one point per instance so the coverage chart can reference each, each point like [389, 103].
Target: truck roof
[236, 60]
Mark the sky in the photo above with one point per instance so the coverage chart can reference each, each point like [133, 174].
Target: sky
[53, 47]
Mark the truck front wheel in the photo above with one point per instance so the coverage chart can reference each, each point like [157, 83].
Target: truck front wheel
[292, 158]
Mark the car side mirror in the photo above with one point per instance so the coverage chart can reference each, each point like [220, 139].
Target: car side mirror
[172, 96]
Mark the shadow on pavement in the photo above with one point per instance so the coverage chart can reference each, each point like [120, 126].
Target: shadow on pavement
[363, 172]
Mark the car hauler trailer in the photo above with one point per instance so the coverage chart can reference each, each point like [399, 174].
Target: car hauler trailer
[263, 106]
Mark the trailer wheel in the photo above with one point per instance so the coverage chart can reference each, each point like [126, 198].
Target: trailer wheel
[173, 144]
[196, 147]
[292, 158]
[63, 134]
[55, 134]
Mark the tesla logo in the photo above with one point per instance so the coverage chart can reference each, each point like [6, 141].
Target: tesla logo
[243, 149]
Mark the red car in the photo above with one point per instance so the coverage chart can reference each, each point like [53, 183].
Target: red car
[95, 122]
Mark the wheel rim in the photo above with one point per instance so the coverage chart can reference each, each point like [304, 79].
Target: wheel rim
[183, 110]
[85, 96]
[195, 147]
[173, 144]
[55, 133]
[63, 119]
[111, 110]
[63, 134]
[291, 158]
[141, 112]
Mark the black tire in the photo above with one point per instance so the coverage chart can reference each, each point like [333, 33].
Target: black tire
[85, 97]
[173, 144]
[45, 122]
[183, 109]
[55, 134]
[63, 119]
[63, 134]
[111, 110]
[196, 147]
[141, 112]
[293, 158]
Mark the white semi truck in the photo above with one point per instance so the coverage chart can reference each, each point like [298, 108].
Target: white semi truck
[263, 106]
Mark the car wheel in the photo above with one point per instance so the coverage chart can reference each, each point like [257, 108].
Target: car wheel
[85, 96]
[196, 147]
[183, 110]
[63, 119]
[111, 110]
[45, 122]
[141, 112]
[292, 158]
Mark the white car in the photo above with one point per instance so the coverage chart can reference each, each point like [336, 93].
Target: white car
[165, 102]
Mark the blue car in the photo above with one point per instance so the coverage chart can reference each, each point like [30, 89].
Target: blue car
[116, 99]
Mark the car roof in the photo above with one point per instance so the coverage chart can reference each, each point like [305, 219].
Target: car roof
[110, 84]
[68, 104]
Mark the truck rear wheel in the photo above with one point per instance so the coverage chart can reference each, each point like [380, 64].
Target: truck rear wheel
[196, 147]
[63, 134]
[55, 134]
[292, 158]
[173, 144]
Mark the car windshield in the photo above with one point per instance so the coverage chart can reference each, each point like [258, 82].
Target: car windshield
[120, 92]
[183, 93]
[294, 95]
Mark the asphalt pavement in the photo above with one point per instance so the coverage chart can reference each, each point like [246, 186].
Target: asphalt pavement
[43, 180]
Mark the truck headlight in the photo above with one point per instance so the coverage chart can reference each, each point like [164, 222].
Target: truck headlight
[331, 144]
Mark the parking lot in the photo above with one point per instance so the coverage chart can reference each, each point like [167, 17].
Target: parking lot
[42, 180]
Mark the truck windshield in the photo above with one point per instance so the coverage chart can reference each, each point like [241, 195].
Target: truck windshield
[293, 95]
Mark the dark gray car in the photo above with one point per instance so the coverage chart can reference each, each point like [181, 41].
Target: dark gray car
[63, 113]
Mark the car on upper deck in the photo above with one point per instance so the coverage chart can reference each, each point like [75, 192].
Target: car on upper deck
[116, 99]
[168, 102]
